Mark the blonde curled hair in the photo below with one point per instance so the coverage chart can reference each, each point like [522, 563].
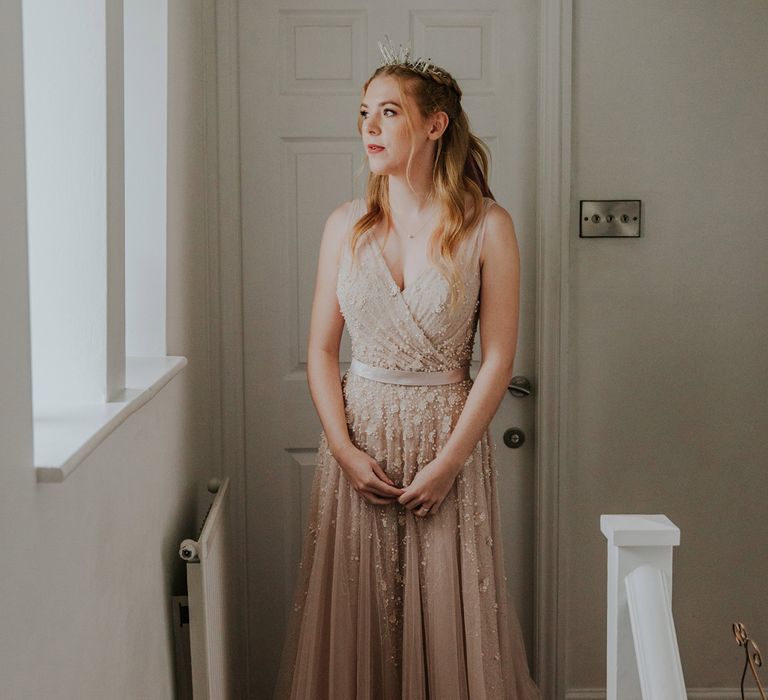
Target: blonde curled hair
[460, 165]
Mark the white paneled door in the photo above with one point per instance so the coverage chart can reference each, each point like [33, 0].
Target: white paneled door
[301, 72]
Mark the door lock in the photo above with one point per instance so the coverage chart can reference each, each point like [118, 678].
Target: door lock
[514, 437]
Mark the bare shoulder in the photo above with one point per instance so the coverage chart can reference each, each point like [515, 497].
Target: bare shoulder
[336, 224]
[500, 236]
[336, 228]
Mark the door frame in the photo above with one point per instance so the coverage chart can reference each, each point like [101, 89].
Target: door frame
[553, 211]
[221, 78]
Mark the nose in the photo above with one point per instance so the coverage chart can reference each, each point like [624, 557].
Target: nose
[373, 124]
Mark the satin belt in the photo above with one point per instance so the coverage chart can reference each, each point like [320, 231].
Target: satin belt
[410, 377]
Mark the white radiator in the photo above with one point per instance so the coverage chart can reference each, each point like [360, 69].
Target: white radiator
[208, 566]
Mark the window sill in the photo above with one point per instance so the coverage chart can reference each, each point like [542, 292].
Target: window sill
[65, 434]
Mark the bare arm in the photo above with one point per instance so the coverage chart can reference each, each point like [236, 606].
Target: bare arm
[499, 313]
[326, 326]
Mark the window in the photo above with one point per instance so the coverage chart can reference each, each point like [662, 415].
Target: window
[95, 118]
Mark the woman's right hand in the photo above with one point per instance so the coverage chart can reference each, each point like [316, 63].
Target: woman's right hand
[366, 476]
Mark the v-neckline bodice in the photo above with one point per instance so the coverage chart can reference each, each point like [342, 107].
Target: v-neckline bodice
[380, 254]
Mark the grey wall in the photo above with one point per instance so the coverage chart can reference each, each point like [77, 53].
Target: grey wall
[89, 565]
[668, 375]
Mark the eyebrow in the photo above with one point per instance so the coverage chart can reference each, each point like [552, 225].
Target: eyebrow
[381, 104]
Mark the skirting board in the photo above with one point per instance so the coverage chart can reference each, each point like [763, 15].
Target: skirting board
[693, 694]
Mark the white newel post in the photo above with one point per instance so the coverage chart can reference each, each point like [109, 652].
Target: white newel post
[633, 541]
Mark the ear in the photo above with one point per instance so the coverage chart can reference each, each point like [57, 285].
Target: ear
[437, 125]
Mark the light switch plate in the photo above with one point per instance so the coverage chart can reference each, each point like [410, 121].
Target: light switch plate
[609, 218]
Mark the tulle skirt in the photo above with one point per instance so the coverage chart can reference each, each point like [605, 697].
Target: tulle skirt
[389, 605]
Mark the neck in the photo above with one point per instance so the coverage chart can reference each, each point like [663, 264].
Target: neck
[411, 202]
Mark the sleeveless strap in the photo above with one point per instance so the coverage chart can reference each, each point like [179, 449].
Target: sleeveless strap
[409, 377]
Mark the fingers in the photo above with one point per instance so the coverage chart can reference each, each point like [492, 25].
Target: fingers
[376, 500]
[380, 483]
[382, 488]
[419, 503]
[419, 507]
[409, 497]
[378, 488]
[381, 473]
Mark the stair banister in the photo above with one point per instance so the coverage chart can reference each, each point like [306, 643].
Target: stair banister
[640, 569]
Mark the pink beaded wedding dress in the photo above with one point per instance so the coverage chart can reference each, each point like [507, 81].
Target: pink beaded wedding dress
[389, 605]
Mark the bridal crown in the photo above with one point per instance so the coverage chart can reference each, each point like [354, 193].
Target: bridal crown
[401, 56]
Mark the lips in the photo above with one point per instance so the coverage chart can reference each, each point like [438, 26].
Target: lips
[374, 148]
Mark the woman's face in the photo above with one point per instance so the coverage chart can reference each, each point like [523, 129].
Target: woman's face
[385, 130]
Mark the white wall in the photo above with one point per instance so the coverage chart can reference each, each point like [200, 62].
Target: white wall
[89, 565]
[668, 332]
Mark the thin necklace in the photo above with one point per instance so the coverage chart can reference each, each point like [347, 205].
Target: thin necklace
[420, 229]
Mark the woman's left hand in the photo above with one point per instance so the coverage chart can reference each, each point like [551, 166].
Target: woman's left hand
[429, 488]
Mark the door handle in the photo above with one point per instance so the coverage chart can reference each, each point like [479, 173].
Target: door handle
[519, 387]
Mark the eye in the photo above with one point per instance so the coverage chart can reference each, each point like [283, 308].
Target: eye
[364, 113]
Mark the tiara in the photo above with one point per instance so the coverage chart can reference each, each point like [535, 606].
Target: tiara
[401, 56]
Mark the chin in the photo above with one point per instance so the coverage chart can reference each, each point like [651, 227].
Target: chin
[379, 169]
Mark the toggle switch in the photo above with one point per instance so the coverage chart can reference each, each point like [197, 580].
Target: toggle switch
[609, 218]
